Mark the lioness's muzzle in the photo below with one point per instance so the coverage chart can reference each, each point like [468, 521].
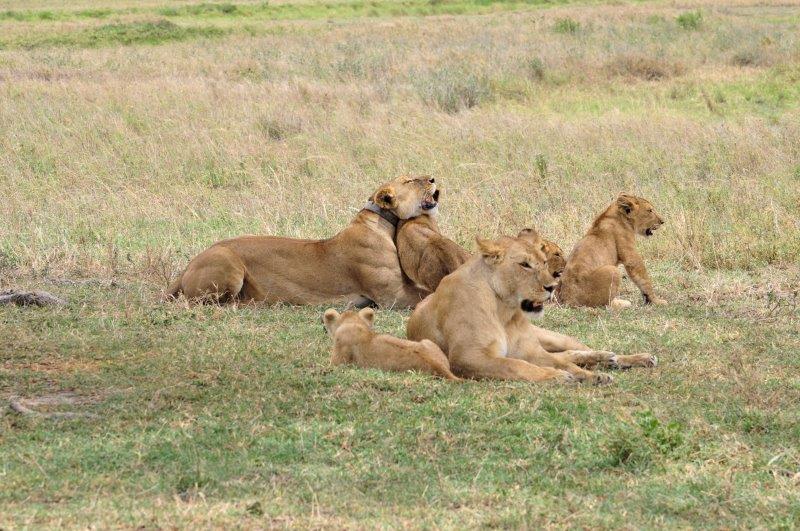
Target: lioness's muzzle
[528, 305]
[431, 202]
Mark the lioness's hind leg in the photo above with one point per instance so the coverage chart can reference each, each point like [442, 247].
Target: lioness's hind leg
[251, 291]
[216, 275]
[555, 342]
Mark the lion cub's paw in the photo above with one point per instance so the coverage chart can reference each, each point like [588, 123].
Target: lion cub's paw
[619, 304]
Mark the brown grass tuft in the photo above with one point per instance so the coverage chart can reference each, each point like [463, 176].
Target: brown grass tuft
[644, 67]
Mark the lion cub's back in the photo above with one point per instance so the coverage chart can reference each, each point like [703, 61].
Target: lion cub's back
[425, 255]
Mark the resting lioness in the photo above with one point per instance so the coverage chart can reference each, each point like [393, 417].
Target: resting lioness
[592, 277]
[425, 255]
[479, 316]
[361, 260]
[356, 343]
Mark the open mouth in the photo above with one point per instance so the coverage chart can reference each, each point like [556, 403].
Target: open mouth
[428, 204]
[529, 306]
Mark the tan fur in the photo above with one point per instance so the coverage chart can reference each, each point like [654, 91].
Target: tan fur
[425, 255]
[591, 277]
[361, 260]
[553, 253]
[475, 316]
[356, 343]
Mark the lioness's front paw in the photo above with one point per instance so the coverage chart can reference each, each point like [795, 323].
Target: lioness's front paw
[601, 378]
[605, 358]
[637, 360]
[565, 377]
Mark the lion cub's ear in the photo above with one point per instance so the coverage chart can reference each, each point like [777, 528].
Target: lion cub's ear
[329, 317]
[529, 234]
[490, 250]
[385, 197]
[625, 203]
[368, 315]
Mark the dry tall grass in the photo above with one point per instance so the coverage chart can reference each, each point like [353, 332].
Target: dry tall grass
[113, 157]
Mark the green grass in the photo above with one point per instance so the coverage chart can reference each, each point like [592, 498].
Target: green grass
[125, 34]
[287, 11]
[225, 408]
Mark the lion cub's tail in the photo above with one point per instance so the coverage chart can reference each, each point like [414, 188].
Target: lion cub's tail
[438, 361]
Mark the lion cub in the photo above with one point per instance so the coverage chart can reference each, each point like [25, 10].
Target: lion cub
[355, 342]
[553, 253]
[591, 277]
[426, 256]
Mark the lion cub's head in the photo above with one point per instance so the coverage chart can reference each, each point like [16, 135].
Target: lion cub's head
[408, 197]
[640, 213]
[519, 273]
[334, 320]
[555, 256]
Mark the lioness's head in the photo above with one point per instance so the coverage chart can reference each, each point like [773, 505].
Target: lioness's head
[519, 273]
[334, 320]
[555, 256]
[408, 197]
[640, 213]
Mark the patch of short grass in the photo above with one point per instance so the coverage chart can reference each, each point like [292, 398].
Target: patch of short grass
[126, 34]
[566, 25]
[690, 20]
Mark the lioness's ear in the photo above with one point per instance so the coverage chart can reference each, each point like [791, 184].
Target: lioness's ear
[625, 203]
[329, 317]
[490, 250]
[368, 314]
[385, 197]
[529, 234]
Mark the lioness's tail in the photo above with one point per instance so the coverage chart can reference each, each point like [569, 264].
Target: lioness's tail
[174, 289]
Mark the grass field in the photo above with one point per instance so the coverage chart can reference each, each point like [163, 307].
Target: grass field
[133, 134]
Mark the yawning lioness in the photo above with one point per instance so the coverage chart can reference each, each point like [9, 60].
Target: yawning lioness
[360, 261]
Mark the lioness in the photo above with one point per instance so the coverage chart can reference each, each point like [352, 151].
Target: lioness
[425, 255]
[477, 316]
[361, 260]
[591, 277]
[355, 342]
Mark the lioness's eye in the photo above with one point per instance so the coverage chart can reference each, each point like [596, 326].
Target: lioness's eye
[526, 265]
